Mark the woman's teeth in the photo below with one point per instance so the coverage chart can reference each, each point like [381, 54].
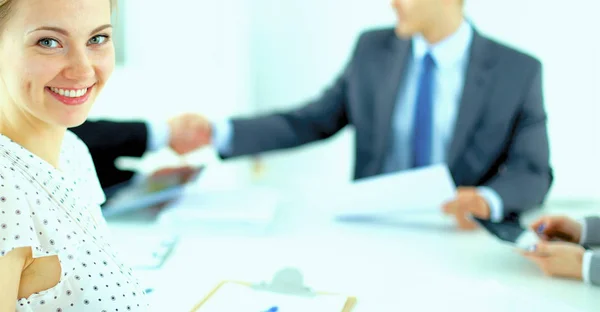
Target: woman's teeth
[70, 93]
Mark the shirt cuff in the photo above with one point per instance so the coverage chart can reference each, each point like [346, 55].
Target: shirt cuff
[583, 235]
[159, 134]
[494, 201]
[222, 135]
[586, 266]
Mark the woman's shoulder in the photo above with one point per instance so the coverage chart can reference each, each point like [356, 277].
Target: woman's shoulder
[75, 154]
[81, 161]
[73, 143]
[19, 220]
[13, 171]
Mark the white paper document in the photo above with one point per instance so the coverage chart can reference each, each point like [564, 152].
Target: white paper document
[240, 206]
[408, 192]
[235, 297]
[147, 252]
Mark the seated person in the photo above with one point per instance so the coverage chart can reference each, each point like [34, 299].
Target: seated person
[432, 90]
[55, 58]
[109, 140]
[565, 257]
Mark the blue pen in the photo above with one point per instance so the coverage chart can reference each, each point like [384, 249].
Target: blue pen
[541, 228]
[272, 309]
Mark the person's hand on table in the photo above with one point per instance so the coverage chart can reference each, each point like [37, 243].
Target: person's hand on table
[189, 132]
[558, 259]
[555, 258]
[468, 202]
[557, 228]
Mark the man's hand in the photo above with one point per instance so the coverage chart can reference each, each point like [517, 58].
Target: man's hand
[558, 227]
[189, 132]
[558, 259]
[468, 202]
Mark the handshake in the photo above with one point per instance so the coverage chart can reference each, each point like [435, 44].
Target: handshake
[189, 132]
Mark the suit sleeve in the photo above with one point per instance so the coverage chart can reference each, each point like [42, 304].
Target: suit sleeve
[591, 260]
[591, 231]
[316, 120]
[591, 268]
[108, 140]
[526, 175]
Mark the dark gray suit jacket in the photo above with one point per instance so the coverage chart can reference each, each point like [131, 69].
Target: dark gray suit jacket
[592, 238]
[500, 137]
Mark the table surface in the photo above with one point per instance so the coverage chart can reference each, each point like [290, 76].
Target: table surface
[419, 263]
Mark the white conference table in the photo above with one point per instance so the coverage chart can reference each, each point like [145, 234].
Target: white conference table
[420, 264]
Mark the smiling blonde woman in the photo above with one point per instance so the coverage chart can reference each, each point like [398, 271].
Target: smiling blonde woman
[55, 58]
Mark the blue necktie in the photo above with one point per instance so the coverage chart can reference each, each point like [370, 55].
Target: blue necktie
[423, 121]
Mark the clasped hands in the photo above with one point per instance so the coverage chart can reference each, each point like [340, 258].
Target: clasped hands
[558, 254]
[189, 132]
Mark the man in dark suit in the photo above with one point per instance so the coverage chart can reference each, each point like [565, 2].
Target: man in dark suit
[432, 90]
[109, 140]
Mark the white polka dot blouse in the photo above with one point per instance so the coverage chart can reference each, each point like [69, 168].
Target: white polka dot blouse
[57, 213]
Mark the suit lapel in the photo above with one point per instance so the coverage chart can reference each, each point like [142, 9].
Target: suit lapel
[473, 96]
[394, 63]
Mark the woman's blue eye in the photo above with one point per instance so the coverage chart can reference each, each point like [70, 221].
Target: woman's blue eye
[100, 39]
[48, 43]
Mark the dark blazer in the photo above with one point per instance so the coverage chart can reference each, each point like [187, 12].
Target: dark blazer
[592, 237]
[500, 139]
[108, 140]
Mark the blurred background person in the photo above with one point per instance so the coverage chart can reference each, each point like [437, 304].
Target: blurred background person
[431, 90]
[108, 140]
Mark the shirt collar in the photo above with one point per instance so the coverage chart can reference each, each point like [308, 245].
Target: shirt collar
[447, 52]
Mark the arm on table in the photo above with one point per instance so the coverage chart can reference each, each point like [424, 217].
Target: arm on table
[317, 120]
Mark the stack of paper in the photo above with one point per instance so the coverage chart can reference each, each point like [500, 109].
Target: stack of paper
[221, 209]
[145, 252]
[408, 192]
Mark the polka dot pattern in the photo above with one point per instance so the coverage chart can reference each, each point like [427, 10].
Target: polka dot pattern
[57, 213]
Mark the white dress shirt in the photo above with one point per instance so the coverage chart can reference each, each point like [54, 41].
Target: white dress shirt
[158, 135]
[451, 57]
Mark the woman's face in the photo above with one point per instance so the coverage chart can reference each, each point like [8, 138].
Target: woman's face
[55, 57]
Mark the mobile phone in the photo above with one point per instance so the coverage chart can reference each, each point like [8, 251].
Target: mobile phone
[511, 232]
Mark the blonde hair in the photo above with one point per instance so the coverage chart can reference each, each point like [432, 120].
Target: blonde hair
[6, 5]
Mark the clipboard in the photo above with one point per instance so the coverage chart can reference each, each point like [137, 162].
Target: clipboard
[288, 281]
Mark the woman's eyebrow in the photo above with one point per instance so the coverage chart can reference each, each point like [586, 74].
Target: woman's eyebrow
[65, 32]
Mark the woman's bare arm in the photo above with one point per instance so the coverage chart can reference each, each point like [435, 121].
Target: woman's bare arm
[11, 268]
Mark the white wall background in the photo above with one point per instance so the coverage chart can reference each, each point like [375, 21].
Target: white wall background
[243, 56]
[181, 55]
